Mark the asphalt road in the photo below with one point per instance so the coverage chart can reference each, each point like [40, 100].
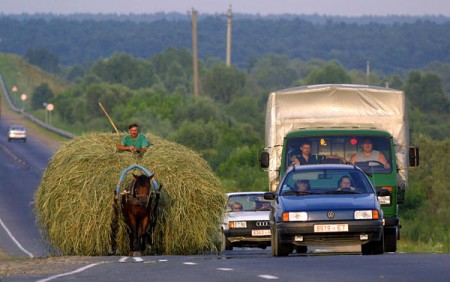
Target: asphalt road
[21, 168]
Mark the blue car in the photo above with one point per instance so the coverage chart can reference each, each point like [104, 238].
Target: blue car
[318, 205]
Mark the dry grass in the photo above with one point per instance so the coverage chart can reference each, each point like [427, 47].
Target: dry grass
[74, 202]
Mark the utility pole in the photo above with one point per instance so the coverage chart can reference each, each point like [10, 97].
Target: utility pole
[367, 72]
[228, 62]
[195, 51]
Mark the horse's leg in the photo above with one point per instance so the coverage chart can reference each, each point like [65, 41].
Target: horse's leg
[143, 226]
[133, 233]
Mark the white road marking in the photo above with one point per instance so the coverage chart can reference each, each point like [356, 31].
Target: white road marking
[189, 263]
[225, 269]
[69, 273]
[267, 276]
[123, 259]
[14, 240]
[136, 259]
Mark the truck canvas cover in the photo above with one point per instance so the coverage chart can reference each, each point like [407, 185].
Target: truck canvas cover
[336, 105]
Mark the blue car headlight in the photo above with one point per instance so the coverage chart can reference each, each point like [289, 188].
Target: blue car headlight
[295, 216]
[367, 214]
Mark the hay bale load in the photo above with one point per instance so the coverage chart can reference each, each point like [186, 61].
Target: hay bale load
[74, 202]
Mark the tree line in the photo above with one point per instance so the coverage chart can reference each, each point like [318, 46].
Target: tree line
[390, 44]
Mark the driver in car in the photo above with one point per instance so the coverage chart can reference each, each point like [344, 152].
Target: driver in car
[345, 184]
[369, 154]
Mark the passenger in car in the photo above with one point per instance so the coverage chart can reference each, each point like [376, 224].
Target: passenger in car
[369, 154]
[262, 206]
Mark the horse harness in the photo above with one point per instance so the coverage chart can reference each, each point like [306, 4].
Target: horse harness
[142, 200]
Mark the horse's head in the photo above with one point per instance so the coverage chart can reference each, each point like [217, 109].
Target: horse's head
[142, 185]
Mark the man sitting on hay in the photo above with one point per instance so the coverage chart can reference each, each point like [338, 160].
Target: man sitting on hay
[134, 142]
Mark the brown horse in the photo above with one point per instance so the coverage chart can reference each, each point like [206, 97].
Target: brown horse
[139, 205]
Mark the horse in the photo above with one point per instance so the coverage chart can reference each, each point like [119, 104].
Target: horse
[139, 204]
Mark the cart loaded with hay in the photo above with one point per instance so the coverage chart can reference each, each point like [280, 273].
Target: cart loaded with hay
[75, 202]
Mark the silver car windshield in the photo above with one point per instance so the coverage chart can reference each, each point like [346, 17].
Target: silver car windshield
[247, 202]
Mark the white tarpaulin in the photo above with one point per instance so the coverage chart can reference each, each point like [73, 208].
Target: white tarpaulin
[334, 105]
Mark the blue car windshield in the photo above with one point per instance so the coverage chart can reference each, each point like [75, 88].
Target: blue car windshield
[326, 181]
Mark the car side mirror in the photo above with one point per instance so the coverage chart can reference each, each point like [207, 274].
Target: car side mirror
[413, 156]
[269, 196]
[264, 159]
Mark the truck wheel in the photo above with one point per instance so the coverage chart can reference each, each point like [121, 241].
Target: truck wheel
[378, 246]
[390, 239]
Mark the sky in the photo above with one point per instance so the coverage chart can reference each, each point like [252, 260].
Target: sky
[263, 7]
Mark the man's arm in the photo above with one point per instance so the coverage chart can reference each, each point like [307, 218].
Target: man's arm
[383, 160]
[122, 147]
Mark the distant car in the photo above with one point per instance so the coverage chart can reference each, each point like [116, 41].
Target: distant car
[325, 214]
[247, 226]
[17, 132]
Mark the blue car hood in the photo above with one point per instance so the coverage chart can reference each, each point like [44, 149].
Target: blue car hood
[327, 201]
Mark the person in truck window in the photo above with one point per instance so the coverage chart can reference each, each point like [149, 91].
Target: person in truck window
[369, 154]
[305, 157]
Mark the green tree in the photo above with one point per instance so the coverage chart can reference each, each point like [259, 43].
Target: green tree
[44, 59]
[198, 108]
[41, 94]
[426, 208]
[331, 72]
[241, 171]
[221, 83]
[198, 135]
[274, 72]
[125, 70]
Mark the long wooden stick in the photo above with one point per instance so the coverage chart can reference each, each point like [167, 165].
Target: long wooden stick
[110, 120]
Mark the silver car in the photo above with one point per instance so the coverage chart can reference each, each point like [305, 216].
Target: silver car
[17, 132]
[246, 221]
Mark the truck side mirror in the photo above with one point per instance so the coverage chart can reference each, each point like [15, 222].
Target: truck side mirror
[264, 159]
[413, 156]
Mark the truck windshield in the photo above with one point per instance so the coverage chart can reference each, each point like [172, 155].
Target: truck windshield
[371, 153]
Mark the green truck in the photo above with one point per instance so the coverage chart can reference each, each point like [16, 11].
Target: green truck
[336, 120]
